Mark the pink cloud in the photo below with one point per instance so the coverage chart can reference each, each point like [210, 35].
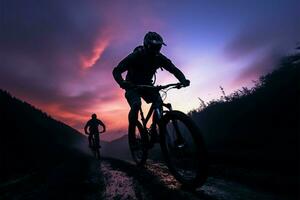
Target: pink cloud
[100, 46]
[263, 64]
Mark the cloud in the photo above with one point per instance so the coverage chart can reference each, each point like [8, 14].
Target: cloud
[263, 64]
[95, 55]
[42, 39]
[58, 56]
[264, 43]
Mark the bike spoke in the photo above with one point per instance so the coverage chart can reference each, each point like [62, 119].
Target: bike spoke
[181, 149]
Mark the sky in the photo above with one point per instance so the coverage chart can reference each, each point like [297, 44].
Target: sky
[59, 55]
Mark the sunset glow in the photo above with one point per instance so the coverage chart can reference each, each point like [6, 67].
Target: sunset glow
[63, 63]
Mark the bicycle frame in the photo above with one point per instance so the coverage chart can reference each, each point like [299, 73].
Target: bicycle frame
[155, 113]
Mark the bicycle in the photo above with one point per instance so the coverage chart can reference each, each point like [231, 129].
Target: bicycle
[95, 146]
[179, 137]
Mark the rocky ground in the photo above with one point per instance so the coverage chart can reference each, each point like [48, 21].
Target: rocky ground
[82, 177]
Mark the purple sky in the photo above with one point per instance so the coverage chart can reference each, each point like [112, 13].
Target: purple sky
[58, 55]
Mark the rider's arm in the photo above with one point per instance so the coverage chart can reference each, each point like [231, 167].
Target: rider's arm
[85, 128]
[122, 67]
[170, 67]
[103, 125]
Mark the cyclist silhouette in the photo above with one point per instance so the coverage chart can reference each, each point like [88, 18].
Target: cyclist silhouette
[141, 66]
[92, 126]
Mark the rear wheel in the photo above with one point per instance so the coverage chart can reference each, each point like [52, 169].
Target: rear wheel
[95, 148]
[138, 141]
[97, 153]
[183, 148]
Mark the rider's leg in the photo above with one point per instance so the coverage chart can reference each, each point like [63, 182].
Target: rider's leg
[97, 140]
[134, 101]
[158, 108]
[155, 98]
[90, 140]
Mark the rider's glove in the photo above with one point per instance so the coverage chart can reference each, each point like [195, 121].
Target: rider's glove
[185, 83]
[126, 85]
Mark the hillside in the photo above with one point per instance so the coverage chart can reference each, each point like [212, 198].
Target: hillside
[119, 149]
[257, 126]
[31, 140]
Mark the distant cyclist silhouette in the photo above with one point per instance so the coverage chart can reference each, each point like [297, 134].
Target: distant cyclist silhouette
[91, 128]
[141, 66]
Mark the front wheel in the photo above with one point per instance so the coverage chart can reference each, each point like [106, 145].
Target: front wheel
[183, 148]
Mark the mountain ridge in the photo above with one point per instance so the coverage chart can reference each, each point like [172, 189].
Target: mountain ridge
[30, 139]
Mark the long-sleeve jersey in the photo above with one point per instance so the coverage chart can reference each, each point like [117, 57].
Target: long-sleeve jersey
[141, 68]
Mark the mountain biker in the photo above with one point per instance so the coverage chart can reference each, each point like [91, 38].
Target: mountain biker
[141, 66]
[92, 126]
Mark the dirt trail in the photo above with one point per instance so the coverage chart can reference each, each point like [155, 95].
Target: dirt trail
[155, 182]
[84, 178]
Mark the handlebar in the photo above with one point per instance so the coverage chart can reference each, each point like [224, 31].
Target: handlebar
[90, 133]
[160, 87]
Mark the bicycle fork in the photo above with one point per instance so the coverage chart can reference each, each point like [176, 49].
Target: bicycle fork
[179, 139]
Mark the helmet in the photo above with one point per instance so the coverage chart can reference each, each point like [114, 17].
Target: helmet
[94, 116]
[153, 38]
[153, 42]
